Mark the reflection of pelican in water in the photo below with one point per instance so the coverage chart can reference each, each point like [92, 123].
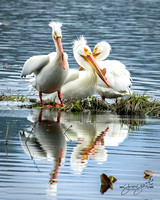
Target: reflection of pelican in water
[47, 141]
[94, 137]
[117, 133]
[92, 132]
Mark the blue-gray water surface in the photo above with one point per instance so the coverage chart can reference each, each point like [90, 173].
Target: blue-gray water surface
[52, 155]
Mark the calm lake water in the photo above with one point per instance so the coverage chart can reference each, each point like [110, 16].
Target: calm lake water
[52, 155]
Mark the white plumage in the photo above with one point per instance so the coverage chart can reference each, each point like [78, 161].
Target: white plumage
[81, 84]
[50, 70]
[115, 71]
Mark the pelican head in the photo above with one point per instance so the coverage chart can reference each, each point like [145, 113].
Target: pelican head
[84, 57]
[56, 29]
[79, 42]
[101, 50]
[80, 51]
[57, 35]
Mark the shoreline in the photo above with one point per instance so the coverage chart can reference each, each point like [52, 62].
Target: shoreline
[133, 105]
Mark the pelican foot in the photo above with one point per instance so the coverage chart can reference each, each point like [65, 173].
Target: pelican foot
[47, 106]
[59, 105]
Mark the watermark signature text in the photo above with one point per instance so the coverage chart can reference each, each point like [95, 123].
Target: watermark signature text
[137, 189]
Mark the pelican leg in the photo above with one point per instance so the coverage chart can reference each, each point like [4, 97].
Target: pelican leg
[60, 98]
[47, 106]
[40, 96]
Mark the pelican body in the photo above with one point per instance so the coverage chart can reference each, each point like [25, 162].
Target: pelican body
[115, 71]
[81, 84]
[50, 70]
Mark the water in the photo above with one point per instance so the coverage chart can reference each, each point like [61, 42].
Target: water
[74, 150]
[27, 167]
[131, 27]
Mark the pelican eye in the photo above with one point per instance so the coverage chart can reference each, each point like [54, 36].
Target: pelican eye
[95, 49]
[56, 36]
[86, 51]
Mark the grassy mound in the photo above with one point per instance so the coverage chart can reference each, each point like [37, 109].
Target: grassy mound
[133, 105]
[89, 104]
[139, 105]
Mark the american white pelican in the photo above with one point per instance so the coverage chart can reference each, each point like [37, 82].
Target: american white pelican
[50, 70]
[115, 71]
[81, 84]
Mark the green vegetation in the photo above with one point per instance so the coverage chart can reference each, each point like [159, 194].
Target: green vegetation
[89, 104]
[12, 98]
[138, 105]
[134, 105]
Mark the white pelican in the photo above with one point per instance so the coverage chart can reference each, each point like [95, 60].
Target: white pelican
[81, 84]
[50, 70]
[117, 74]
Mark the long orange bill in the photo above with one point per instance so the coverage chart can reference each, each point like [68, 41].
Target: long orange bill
[95, 66]
[60, 48]
[95, 54]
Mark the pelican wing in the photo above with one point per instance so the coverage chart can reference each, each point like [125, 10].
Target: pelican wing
[117, 75]
[34, 64]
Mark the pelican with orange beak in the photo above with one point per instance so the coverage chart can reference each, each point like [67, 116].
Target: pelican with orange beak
[50, 70]
[81, 84]
[117, 74]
